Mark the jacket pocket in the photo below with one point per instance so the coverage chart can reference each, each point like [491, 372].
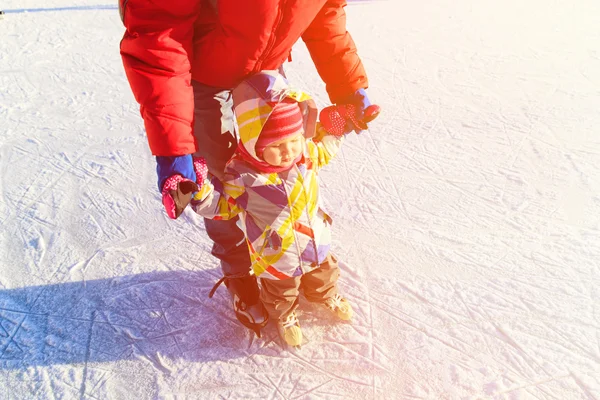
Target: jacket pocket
[272, 244]
[271, 248]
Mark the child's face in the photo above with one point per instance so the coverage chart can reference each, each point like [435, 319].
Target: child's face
[283, 152]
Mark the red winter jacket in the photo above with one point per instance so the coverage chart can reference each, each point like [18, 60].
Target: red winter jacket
[218, 43]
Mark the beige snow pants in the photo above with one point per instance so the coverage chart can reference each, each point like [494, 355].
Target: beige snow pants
[280, 297]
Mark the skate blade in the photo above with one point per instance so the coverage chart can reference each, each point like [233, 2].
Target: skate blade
[257, 331]
[254, 327]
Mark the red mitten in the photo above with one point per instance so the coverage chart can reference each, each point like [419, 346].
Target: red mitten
[341, 119]
[201, 170]
[177, 191]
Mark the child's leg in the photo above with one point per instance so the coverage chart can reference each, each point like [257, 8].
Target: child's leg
[320, 284]
[280, 297]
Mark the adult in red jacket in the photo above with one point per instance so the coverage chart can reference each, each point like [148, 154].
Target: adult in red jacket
[183, 57]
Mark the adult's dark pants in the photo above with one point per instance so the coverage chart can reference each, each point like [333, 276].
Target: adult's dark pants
[217, 139]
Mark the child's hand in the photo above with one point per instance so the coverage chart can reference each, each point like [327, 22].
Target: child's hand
[177, 191]
[345, 118]
[363, 112]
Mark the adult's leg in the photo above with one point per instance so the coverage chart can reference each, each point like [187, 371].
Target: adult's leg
[214, 126]
[215, 134]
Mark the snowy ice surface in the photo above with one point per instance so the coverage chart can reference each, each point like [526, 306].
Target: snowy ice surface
[468, 218]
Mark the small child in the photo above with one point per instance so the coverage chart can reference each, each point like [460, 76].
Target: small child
[271, 183]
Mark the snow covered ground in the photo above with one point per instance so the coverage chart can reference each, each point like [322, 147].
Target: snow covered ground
[468, 218]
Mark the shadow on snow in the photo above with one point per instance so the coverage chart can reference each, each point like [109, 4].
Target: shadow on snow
[152, 315]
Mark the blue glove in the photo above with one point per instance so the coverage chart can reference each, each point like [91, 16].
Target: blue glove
[360, 100]
[357, 110]
[169, 166]
[179, 178]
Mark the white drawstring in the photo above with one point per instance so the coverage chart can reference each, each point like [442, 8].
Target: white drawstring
[290, 321]
[334, 302]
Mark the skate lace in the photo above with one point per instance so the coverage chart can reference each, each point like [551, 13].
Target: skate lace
[214, 288]
[334, 302]
[290, 321]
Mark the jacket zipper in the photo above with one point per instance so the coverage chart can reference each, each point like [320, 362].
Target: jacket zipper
[310, 225]
[294, 232]
[271, 42]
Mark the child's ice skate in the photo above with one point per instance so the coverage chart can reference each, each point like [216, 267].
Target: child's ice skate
[340, 307]
[289, 330]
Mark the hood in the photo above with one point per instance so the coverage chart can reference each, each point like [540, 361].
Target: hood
[254, 100]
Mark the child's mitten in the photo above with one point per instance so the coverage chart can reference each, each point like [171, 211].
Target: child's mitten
[177, 190]
[363, 110]
[341, 119]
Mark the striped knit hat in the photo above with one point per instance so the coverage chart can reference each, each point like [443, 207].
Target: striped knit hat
[285, 120]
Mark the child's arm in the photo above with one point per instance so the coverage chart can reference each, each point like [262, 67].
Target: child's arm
[218, 199]
[324, 146]
[335, 123]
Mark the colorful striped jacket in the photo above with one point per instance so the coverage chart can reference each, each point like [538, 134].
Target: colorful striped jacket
[286, 228]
